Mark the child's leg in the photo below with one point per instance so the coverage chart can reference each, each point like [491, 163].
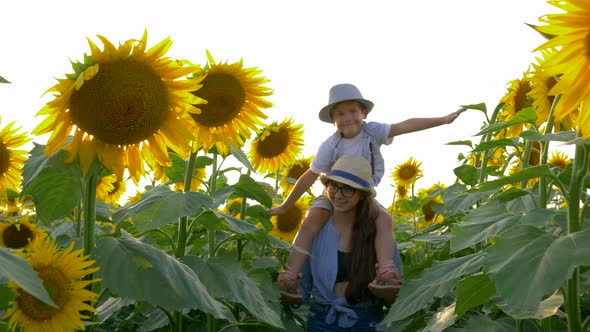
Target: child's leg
[315, 219]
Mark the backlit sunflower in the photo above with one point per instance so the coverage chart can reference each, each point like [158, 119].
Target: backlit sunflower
[234, 96]
[516, 100]
[60, 271]
[11, 159]
[407, 173]
[287, 225]
[401, 192]
[542, 83]
[572, 62]
[19, 233]
[110, 190]
[124, 106]
[233, 207]
[294, 172]
[199, 176]
[559, 159]
[430, 216]
[276, 146]
[535, 153]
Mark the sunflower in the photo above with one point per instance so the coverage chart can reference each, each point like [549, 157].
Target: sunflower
[570, 30]
[276, 146]
[542, 83]
[401, 192]
[559, 159]
[517, 167]
[294, 171]
[233, 207]
[60, 271]
[234, 96]
[535, 153]
[287, 225]
[199, 176]
[124, 106]
[11, 160]
[19, 233]
[110, 190]
[516, 100]
[407, 173]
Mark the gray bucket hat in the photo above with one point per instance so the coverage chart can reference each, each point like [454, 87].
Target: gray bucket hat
[340, 93]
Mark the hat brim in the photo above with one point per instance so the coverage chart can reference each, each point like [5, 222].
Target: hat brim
[325, 111]
[325, 178]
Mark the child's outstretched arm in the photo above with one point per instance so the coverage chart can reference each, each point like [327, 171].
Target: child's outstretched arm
[417, 124]
[304, 182]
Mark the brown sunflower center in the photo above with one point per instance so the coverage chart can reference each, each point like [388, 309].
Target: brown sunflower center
[521, 99]
[428, 211]
[535, 154]
[125, 103]
[17, 237]
[559, 163]
[4, 158]
[58, 288]
[274, 144]
[116, 187]
[407, 172]
[297, 170]
[225, 98]
[290, 220]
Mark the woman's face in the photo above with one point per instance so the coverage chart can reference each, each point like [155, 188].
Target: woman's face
[343, 197]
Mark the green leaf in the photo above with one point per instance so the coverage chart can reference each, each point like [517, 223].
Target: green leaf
[562, 136]
[141, 272]
[56, 187]
[442, 319]
[3, 80]
[527, 264]
[481, 323]
[458, 200]
[511, 193]
[496, 143]
[487, 221]
[468, 174]
[480, 107]
[110, 306]
[527, 115]
[238, 288]
[237, 225]
[241, 157]
[6, 295]
[258, 191]
[473, 291]
[20, 271]
[523, 175]
[161, 206]
[436, 281]
[464, 142]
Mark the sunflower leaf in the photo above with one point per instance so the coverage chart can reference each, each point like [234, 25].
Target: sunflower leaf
[468, 174]
[240, 288]
[527, 115]
[56, 187]
[258, 191]
[3, 80]
[20, 271]
[503, 142]
[241, 157]
[528, 263]
[562, 136]
[480, 107]
[6, 295]
[473, 291]
[524, 175]
[153, 276]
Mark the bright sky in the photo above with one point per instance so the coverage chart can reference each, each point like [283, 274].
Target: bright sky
[411, 58]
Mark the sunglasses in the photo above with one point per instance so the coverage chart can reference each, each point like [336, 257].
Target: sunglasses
[346, 191]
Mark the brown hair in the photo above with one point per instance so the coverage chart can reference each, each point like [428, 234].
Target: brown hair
[362, 259]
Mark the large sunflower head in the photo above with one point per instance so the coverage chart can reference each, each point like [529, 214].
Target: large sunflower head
[559, 159]
[11, 159]
[234, 96]
[110, 189]
[124, 106]
[276, 146]
[407, 173]
[515, 100]
[294, 171]
[570, 30]
[287, 225]
[19, 233]
[60, 271]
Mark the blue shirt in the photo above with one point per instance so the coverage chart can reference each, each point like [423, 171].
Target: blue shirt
[319, 276]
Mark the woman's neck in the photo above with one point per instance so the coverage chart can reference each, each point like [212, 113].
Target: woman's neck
[343, 217]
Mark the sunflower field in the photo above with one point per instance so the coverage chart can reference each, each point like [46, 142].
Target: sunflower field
[146, 207]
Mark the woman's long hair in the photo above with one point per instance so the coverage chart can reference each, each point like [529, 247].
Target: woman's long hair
[362, 259]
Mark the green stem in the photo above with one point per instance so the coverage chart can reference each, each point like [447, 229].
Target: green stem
[543, 194]
[519, 325]
[188, 177]
[575, 191]
[90, 215]
[240, 324]
[168, 237]
[485, 138]
[524, 161]
[212, 189]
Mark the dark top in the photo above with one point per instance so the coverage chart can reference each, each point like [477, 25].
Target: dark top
[342, 274]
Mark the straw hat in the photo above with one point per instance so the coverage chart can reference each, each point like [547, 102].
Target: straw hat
[340, 93]
[351, 170]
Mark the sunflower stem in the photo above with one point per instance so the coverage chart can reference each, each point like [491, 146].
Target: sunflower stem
[90, 216]
[188, 177]
[543, 189]
[212, 189]
[485, 138]
[276, 178]
[579, 171]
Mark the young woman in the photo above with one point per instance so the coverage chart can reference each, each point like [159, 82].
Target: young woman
[343, 258]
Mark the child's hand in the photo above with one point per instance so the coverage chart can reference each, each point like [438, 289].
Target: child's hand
[276, 210]
[451, 117]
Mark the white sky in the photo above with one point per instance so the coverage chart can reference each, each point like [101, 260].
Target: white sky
[411, 58]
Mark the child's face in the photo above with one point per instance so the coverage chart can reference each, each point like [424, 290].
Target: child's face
[348, 118]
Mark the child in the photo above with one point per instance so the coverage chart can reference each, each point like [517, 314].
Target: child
[347, 110]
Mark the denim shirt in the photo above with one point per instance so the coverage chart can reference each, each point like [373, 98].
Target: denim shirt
[319, 276]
